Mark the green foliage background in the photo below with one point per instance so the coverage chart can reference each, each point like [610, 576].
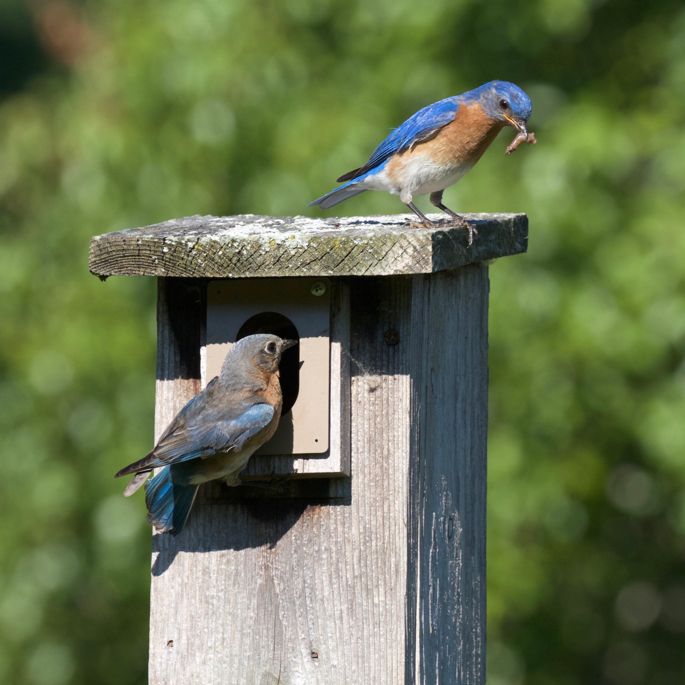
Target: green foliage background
[120, 113]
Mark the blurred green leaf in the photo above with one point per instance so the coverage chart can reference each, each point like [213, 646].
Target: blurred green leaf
[126, 113]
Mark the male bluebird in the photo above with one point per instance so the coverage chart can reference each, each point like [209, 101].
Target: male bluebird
[436, 146]
[216, 432]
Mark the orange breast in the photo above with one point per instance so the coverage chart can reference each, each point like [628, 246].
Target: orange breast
[465, 139]
[274, 397]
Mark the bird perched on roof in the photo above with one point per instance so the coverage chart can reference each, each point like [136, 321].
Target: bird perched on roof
[436, 146]
[216, 432]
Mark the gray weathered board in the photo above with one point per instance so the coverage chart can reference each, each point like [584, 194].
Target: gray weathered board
[262, 246]
[379, 578]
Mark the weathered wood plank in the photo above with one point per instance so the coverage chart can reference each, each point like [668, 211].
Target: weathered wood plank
[297, 591]
[263, 246]
[381, 581]
[181, 311]
[447, 491]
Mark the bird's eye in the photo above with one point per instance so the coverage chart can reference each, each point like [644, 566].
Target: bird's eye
[503, 104]
[270, 348]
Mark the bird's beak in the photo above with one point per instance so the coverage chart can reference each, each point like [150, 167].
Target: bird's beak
[287, 344]
[518, 124]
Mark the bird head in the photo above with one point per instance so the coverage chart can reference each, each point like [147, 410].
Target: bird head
[262, 350]
[507, 103]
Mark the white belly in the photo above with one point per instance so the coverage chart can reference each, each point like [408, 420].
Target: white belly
[416, 174]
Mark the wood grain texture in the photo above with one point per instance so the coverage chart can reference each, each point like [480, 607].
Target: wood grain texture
[447, 491]
[292, 590]
[263, 246]
[377, 578]
[181, 306]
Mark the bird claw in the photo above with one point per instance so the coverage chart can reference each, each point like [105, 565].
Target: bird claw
[456, 222]
[421, 224]
[460, 222]
[473, 231]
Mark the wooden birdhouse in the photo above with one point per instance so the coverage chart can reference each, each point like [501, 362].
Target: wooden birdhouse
[355, 552]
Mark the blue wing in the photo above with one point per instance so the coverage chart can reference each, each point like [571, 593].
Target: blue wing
[206, 438]
[201, 429]
[421, 126]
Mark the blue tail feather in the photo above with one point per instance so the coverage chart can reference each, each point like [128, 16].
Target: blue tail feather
[339, 194]
[346, 190]
[168, 502]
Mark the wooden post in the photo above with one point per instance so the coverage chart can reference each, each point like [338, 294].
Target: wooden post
[377, 578]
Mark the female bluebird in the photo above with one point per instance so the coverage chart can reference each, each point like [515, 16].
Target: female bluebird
[216, 432]
[436, 146]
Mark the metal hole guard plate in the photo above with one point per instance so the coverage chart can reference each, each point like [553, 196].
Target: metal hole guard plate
[306, 302]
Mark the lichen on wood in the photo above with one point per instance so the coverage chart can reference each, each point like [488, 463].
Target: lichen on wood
[263, 246]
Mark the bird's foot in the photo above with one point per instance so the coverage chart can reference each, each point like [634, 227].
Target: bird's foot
[422, 224]
[459, 222]
[473, 231]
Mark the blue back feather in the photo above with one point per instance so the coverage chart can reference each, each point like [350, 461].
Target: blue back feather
[420, 125]
[210, 432]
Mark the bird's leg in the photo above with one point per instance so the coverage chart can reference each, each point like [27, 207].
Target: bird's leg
[436, 201]
[424, 219]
